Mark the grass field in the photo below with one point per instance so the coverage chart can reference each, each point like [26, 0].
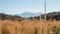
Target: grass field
[28, 26]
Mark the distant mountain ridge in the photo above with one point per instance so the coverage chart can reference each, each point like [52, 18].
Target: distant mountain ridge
[52, 16]
[10, 17]
[28, 14]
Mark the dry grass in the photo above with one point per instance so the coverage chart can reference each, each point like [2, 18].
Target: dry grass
[26, 26]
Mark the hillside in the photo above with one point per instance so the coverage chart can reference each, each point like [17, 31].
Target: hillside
[9, 17]
[52, 16]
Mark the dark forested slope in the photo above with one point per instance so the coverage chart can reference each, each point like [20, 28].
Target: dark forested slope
[9, 17]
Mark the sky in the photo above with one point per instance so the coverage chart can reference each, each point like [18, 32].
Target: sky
[33, 6]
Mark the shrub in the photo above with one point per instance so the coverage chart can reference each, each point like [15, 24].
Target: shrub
[55, 30]
[4, 31]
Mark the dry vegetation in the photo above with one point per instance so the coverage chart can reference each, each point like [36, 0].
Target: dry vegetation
[33, 25]
[28, 26]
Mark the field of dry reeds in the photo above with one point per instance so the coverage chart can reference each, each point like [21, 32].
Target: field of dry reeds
[28, 26]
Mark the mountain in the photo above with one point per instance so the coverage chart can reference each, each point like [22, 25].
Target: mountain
[4, 16]
[52, 16]
[28, 14]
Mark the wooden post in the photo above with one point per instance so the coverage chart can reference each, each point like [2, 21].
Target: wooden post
[45, 25]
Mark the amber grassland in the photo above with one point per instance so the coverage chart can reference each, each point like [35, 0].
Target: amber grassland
[28, 26]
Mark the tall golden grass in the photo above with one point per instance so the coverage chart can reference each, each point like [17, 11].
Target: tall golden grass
[27, 26]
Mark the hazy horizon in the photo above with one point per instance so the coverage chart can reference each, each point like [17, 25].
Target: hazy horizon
[33, 6]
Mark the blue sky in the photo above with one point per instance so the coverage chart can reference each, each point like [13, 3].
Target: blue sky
[34, 6]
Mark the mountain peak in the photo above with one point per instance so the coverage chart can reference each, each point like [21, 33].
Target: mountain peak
[29, 14]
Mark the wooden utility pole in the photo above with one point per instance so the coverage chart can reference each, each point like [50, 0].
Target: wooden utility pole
[45, 25]
[45, 9]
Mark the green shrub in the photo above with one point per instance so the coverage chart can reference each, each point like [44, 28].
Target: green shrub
[55, 30]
